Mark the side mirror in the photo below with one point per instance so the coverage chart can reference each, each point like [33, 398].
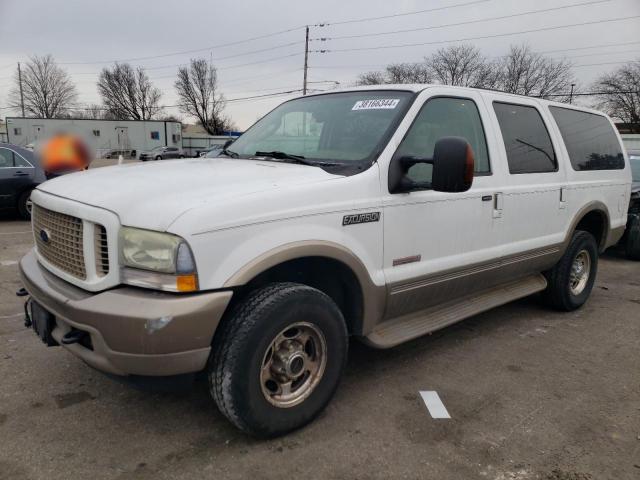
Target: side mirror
[452, 163]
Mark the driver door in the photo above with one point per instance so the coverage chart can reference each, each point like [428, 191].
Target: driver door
[439, 246]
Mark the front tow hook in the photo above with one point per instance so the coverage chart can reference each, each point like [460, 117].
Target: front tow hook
[74, 336]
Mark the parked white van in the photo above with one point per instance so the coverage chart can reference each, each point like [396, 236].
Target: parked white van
[383, 213]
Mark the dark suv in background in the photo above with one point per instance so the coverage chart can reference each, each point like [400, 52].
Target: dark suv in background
[631, 239]
[20, 172]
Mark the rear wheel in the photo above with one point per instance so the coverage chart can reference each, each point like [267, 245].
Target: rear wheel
[25, 205]
[571, 279]
[632, 243]
[278, 358]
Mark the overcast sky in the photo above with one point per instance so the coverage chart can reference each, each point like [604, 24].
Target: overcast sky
[103, 31]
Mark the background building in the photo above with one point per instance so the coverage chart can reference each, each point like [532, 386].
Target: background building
[101, 135]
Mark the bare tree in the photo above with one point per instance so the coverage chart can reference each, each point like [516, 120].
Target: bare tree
[47, 89]
[197, 88]
[371, 78]
[128, 94]
[621, 97]
[397, 73]
[91, 112]
[525, 72]
[464, 66]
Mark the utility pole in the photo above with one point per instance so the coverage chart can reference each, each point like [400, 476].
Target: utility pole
[306, 60]
[20, 82]
[571, 94]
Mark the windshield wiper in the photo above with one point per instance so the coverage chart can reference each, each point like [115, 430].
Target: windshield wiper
[229, 153]
[278, 155]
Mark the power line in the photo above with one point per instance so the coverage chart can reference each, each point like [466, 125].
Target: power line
[160, 67]
[496, 35]
[183, 52]
[468, 22]
[592, 46]
[268, 35]
[415, 12]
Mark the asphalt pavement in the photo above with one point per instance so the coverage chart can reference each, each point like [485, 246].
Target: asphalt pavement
[531, 394]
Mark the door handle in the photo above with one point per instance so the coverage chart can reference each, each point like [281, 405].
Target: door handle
[563, 198]
[497, 205]
[20, 174]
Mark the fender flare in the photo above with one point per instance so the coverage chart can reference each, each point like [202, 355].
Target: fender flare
[594, 206]
[373, 296]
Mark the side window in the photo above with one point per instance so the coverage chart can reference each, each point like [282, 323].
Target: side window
[444, 117]
[20, 162]
[155, 135]
[526, 139]
[590, 140]
[6, 158]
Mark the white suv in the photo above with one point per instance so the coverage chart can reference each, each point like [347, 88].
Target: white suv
[382, 213]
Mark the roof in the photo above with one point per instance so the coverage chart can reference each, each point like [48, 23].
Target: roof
[418, 87]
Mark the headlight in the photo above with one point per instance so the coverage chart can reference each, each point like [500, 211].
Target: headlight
[157, 260]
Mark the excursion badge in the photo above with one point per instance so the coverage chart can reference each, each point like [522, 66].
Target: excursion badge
[360, 218]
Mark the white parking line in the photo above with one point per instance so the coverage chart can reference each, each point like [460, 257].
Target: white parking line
[6, 263]
[434, 404]
[12, 316]
[14, 233]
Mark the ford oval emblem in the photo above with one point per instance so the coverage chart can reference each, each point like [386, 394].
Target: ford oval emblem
[44, 236]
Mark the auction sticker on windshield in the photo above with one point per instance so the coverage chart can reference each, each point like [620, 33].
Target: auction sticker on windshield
[377, 103]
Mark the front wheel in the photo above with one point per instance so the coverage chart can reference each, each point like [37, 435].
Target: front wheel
[158, 157]
[278, 358]
[571, 279]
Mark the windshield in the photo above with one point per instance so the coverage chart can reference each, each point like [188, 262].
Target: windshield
[157, 149]
[340, 127]
[634, 161]
[214, 152]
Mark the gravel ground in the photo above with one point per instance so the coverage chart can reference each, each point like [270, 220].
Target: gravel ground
[532, 394]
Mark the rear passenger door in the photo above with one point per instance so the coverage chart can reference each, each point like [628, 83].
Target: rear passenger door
[532, 201]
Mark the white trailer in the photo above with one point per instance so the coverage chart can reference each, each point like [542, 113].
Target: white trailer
[101, 136]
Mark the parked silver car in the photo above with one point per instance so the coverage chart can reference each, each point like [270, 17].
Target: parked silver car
[161, 153]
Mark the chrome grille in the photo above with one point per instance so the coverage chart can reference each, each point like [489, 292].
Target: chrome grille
[61, 243]
[102, 250]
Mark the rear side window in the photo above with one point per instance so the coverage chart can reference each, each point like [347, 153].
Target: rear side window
[590, 140]
[6, 158]
[526, 139]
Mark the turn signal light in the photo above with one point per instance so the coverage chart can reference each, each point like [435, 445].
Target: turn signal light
[187, 283]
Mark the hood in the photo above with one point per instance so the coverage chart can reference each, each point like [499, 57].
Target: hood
[153, 195]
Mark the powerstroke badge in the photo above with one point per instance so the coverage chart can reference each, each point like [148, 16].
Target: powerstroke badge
[360, 218]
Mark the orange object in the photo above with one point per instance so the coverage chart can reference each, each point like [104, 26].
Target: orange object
[63, 154]
[187, 283]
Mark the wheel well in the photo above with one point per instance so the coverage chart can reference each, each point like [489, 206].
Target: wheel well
[330, 276]
[595, 222]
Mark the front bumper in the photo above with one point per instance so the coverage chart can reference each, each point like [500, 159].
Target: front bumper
[133, 331]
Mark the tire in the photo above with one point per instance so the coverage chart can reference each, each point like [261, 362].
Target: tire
[24, 205]
[252, 399]
[158, 157]
[181, 156]
[564, 292]
[632, 243]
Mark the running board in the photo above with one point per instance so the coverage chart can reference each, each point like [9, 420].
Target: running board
[401, 329]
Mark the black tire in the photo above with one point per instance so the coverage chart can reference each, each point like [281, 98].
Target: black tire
[181, 156]
[559, 293]
[239, 350]
[158, 157]
[24, 210]
[632, 243]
